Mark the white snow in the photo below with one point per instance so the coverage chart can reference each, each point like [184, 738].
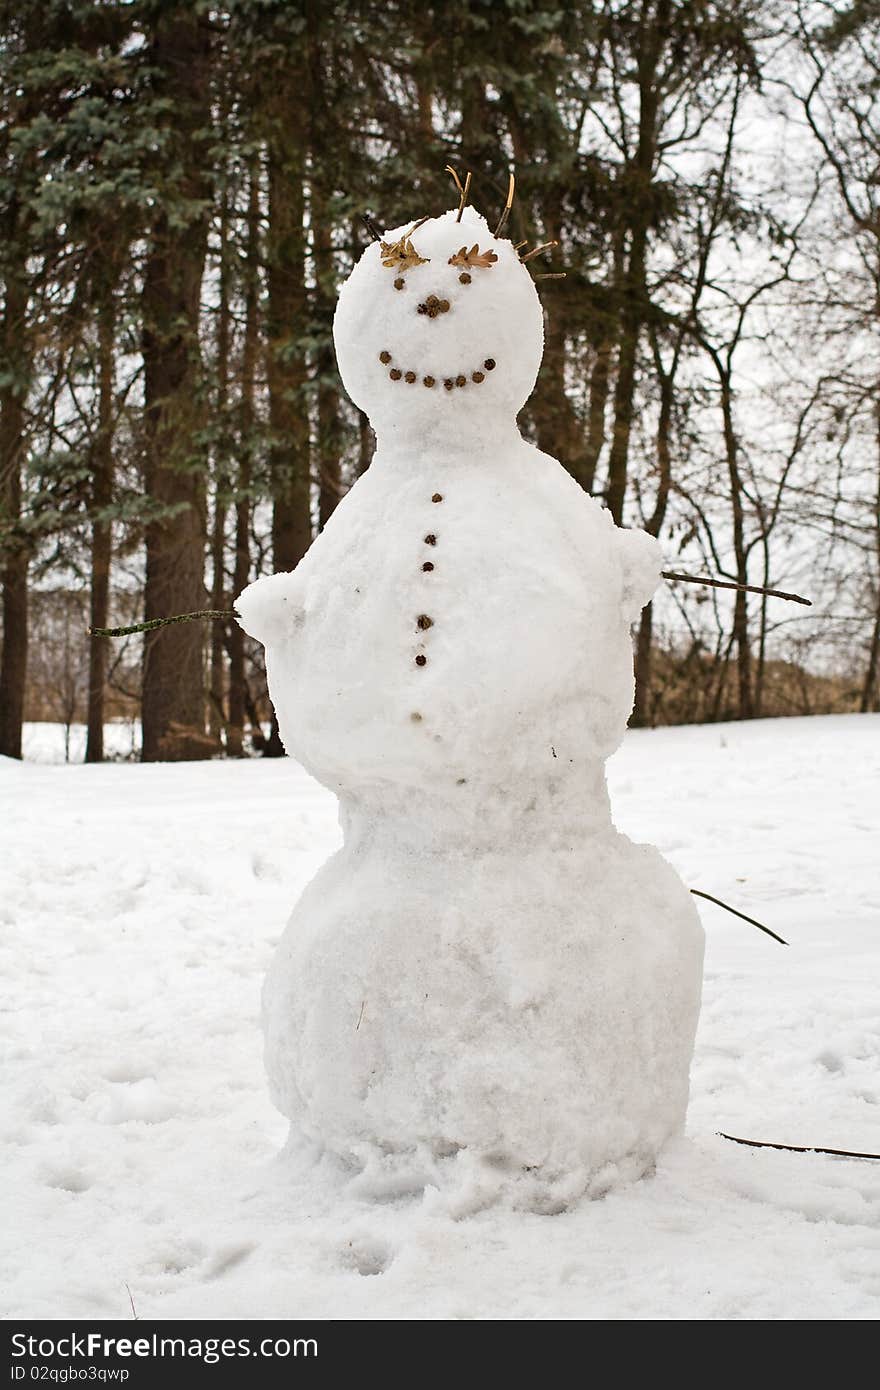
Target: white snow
[140, 907]
[453, 658]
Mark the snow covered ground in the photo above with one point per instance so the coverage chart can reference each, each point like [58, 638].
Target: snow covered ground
[139, 907]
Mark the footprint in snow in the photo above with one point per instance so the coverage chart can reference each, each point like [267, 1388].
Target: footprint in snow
[367, 1255]
[831, 1061]
[265, 868]
[68, 1180]
[226, 1258]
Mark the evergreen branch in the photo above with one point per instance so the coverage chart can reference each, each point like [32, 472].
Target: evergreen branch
[698, 893]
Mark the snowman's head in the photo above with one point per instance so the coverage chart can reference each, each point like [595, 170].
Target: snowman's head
[439, 324]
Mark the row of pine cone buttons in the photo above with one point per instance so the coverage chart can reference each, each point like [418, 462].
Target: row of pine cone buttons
[423, 622]
[449, 382]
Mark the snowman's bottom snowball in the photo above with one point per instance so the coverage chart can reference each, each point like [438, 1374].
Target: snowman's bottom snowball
[519, 1021]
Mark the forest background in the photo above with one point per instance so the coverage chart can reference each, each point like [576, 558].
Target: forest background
[181, 194]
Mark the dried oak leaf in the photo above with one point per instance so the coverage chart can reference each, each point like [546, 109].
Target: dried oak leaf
[400, 255]
[475, 257]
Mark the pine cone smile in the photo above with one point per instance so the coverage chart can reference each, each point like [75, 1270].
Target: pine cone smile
[447, 382]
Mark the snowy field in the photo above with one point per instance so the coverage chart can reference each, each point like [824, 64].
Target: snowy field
[140, 905]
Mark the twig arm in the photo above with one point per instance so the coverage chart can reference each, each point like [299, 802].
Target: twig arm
[211, 613]
[151, 624]
[731, 584]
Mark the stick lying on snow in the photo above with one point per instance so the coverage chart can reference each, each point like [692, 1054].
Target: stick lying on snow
[698, 893]
[794, 1148]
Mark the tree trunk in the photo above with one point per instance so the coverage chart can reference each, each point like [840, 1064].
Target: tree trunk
[286, 323]
[761, 664]
[173, 703]
[366, 443]
[287, 314]
[328, 444]
[559, 431]
[217, 676]
[605, 341]
[477, 141]
[870, 694]
[221, 475]
[327, 461]
[870, 698]
[632, 318]
[741, 635]
[641, 714]
[102, 536]
[640, 199]
[654, 526]
[241, 571]
[600, 384]
[15, 552]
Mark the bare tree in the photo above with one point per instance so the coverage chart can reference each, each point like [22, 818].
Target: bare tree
[839, 95]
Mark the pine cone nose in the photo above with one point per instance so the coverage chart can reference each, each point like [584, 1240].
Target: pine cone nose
[432, 306]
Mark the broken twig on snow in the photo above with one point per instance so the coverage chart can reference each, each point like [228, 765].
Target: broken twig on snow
[795, 1148]
[698, 893]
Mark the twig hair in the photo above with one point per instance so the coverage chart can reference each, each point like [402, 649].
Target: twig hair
[502, 221]
[538, 250]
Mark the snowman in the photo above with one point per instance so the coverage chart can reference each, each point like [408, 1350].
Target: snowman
[488, 986]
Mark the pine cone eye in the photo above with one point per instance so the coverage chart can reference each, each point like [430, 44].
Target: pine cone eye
[475, 258]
